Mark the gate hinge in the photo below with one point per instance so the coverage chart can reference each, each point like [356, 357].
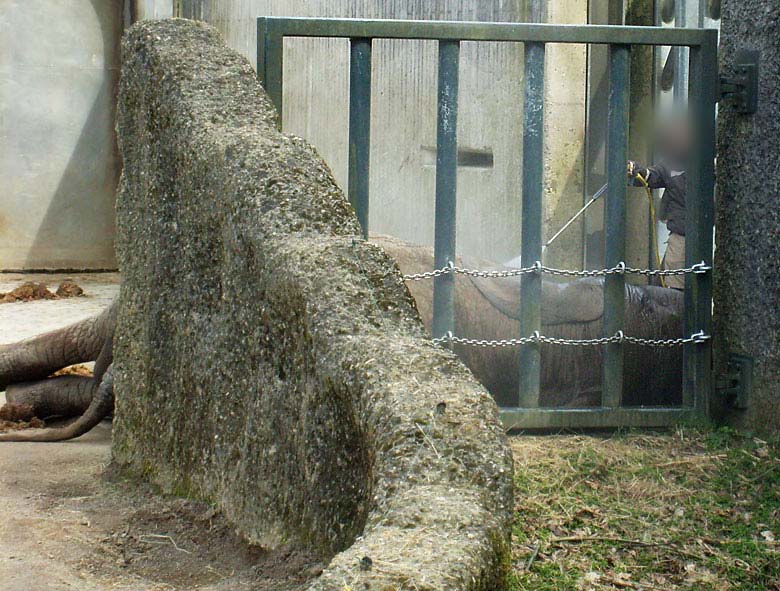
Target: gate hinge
[742, 88]
[737, 383]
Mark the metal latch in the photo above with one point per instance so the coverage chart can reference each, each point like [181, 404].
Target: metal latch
[737, 383]
[742, 89]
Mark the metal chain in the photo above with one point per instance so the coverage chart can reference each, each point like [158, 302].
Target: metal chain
[619, 269]
[472, 272]
[618, 337]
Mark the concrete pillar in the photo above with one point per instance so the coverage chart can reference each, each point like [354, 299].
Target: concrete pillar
[641, 122]
[635, 12]
[747, 254]
[564, 137]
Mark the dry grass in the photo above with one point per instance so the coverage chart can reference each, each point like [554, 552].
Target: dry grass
[694, 510]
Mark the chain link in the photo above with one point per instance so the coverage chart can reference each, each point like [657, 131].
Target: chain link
[619, 269]
[473, 272]
[618, 337]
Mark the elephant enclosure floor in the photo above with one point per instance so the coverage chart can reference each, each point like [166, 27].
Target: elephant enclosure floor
[19, 320]
[66, 525]
[688, 510]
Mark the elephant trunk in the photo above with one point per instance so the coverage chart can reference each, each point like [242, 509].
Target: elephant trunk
[63, 396]
[40, 356]
[54, 390]
[102, 404]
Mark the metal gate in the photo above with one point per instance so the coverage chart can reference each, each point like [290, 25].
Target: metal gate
[702, 96]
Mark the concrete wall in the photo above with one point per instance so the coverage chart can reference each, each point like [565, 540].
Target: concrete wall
[271, 364]
[152, 9]
[564, 132]
[58, 162]
[747, 253]
[404, 82]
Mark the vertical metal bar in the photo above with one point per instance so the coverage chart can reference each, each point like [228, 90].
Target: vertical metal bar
[446, 187]
[615, 219]
[700, 215]
[531, 238]
[538, 11]
[262, 32]
[701, 13]
[681, 57]
[270, 52]
[272, 64]
[359, 127]
[615, 12]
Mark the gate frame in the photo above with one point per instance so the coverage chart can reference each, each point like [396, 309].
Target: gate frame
[702, 97]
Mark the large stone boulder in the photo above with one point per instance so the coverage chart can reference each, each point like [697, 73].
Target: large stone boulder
[269, 360]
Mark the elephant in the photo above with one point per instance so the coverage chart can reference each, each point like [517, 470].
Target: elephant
[488, 308]
[485, 308]
[25, 367]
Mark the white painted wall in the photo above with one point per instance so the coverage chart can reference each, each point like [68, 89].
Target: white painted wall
[59, 167]
[404, 112]
[153, 9]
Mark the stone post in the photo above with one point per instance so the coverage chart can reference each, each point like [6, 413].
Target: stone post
[747, 255]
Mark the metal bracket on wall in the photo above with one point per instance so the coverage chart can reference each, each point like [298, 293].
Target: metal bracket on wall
[741, 89]
[737, 383]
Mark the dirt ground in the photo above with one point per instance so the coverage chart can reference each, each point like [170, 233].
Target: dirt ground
[19, 320]
[68, 523]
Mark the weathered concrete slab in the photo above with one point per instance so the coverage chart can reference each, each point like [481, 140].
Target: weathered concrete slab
[270, 361]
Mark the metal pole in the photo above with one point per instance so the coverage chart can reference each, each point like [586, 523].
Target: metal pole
[573, 218]
[270, 54]
[360, 128]
[681, 57]
[615, 219]
[446, 187]
[531, 239]
[700, 216]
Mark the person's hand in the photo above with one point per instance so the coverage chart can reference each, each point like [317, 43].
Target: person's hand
[631, 168]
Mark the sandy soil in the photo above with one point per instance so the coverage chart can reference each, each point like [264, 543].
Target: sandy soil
[67, 522]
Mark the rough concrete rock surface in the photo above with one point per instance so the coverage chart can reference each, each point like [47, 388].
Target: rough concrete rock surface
[747, 253]
[270, 361]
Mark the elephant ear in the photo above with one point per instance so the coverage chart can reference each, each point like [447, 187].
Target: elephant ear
[562, 303]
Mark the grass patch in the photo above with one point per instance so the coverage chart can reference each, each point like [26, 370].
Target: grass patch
[694, 509]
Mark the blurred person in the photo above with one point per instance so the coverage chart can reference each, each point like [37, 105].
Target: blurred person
[669, 174]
